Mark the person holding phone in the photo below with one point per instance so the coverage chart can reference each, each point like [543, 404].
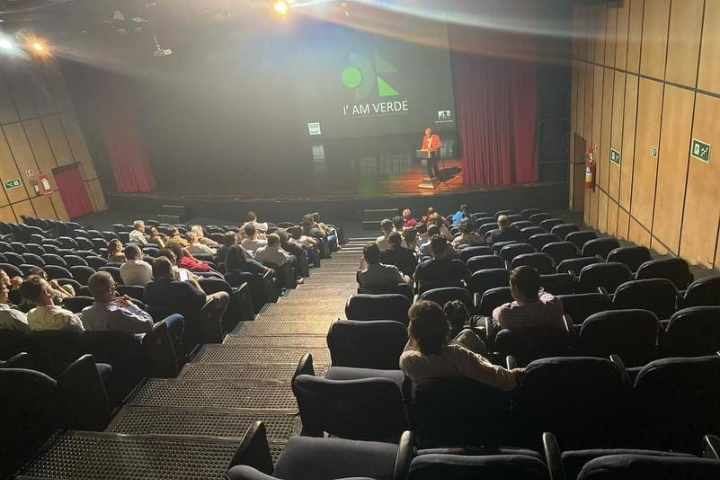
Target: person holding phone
[110, 313]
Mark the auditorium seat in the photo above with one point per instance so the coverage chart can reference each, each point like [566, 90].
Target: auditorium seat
[509, 252]
[75, 260]
[486, 228]
[539, 217]
[693, 331]
[496, 465]
[308, 458]
[14, 258]
[55, 272]
[483, 280]
[76, 304]
[400, 289]
[657, 295]
[18, 247]
[676, 270]
[631, 334]
[528, 232]
[505, 212]
[702, 292]
[642, 467]
[575, 265]
[447, 294]
[96, 262]
[136, 292]
[484, 262]
[580, 238]
[54, 259]
[548, 224]
[81, 274]
[632, 256]
[33, 259]
[560, 251]
[378, 307]
[491, 299]
[558, 283]
[563, 229]
[539, 240]
[606, 275]
[375, 344]
[529, 344]
[529, 212]
[521, 224]
[497, 247]
[470, 252]
[600, 247]
[541, 262]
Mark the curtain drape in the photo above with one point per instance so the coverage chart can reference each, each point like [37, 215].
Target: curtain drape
[72, 190]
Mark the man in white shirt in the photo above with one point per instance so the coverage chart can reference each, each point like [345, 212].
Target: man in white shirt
[135, 271]
[387, 228]
[138, 233]
[11, 319]
[260, 226]
[272, 252]
[197, 248]
[251, 242]
[47, 315]
[111, 314]
[376, 274]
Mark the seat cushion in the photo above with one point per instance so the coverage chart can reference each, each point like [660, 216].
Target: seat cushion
[644, 467]
[574, 461]
[462, 467]
[349, 373]
[480, 451]
[308, 458]
[244, 472]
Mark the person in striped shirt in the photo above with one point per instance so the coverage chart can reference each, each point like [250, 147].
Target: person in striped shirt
[531, 306]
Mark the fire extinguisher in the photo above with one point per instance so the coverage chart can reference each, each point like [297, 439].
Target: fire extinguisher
[590, 169]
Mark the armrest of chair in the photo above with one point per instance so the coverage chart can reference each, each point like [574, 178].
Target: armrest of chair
[491, 330]
[405, 454]
[243, 297]
[254, 450]
[569, 325]
[603, 291]
[510, 362]
[161, 352]
[304, 366]
[21, 360]
[553, 457]
[623, 371]
[711, 447]
[83, 395]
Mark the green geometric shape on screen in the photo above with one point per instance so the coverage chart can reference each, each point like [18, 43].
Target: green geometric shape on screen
[382, 65]
[384, 89]
[364, 66]
[352, 77]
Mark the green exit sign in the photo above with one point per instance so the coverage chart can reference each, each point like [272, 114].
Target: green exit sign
[700, 150]
[614, 156]
[14, 183]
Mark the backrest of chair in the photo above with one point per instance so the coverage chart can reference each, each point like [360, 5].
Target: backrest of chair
[435, 466]
[446, 294]
[470, 252]
[492, 299]
[529, 344]
[519, 225]
[631, 334]
[541, 262]
[114, 271]
[81, 274]
[14, 258]
[703, 292]
[548, 224]
[637, 467]
[76, 304]
[485, 228]
[378, 307]
[560, 251]
[529, 212]
[485, 262]
[581, 237]
[693, 331]
[575, 265]
[541, 239]
[676, 270]
[558, 283]
[374, 344]
[511, 251]
[11, 270]
[539, 217]
[83, 395]
[633, 256]
[33, 259]
[657, 295]
[582, 305]
[55, 272]
[483, 280]
[74, 260]
[600, 246]
[366, 409]
[563, 229]
[606, 275]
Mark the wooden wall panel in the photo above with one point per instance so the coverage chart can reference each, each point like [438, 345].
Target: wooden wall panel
[20, 91]
[23, 208]
[606, 133]
[580, 101]
[702, 208]
[589, 91]
[612, 218]
[637, 234]
[40, 145]
[616, 141]
[57, 139]
[597, 105]
[590, 20]
[660, 248]
[709, 77]
[684, 41]
[600, 31]
[623, 224]
[628, 149]
[647, 136]
[621, 37]
[24, 158]
[9, 171]
[637, 7]
[78, 146]
[59, 207]
[7, 214]
[602, 220]
[611, 36]
[654, 38]
[56, 83]
[7, 106]
[97, 194]
[678, 104]
[43, 207]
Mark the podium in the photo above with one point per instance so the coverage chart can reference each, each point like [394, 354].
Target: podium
[429, 165]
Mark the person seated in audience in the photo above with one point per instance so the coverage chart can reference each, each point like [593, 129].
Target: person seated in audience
[135, 271]
[10, 318]
[252, 240]
[259, 226]
[174, 236]
[274, 254]
[437, 219]
[238, 260]
[461, 331]
[428, 213]
[408, 221]
[330, 233]
[294, 249]
[47, 315]
[312, 229]
[115, 251]
[504, 232]
[197, 248]
[428, 355]
[410, 236]
[387, 228]
[432, 231]
[201, 238]
[13, 285]
[403, 258]
[467, 236]
[229, 239]
[61, 291]
[374, 274]
[155, 237]
[179, 272]
[186, 260]
[398, 224]
[110, 313]
[460, 215]
[308, 243]
[442, 270]
[531, 307]
[138, 234]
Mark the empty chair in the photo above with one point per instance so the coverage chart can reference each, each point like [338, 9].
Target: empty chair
[50, 248]
[657, 295]
[483, 280]
[14, 258]
[581, 237]
[632, 256]
[96, 262]
[75, 260]
[133, 291]
[532, 343]
[580, 306]
[447, 294]
[114, 271]
[35, 248]
[98, 242]
[563, 229]
[67, 243]
[494, 464]
[631, 334]
[18, 247]
[599, 246]
[55, 272]
[486, 228]
[548, 224]
[509, 252]
[528, 232]
[693, 331]
[522, 224]
[76, 304]
[541, 239]
[575, 265]
[558, 283]
[54, 259]
[676, 270]
[677, 402]
[498, 246]
[505, 212]
[485, 262]
[33, 259]
[560, 251]
[79, 232]
[470, 252]
[641, 467]
[378, 307]
[539, 217]
[606, 275]
[515, 218]
[375, 344]
[529, 212]
[85, 243]
[702, 292]
[81, 273]
[541, 262]
[11, 270]
[492, 299]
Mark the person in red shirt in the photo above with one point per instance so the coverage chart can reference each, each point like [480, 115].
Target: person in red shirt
[185, 260]
[431, 142]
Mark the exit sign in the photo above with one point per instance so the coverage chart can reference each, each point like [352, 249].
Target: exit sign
[700, 150]
[654, 152]
[14, 183]
[614, 156]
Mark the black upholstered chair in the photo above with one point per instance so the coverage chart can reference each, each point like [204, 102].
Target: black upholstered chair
[485, 262]
[541, 239]
[656, 294]
[491, 299]
[702, 292]
[560, 251]
[548, 224]
[599, 246]
[470, 252]
[580, 306]
[541, 262]
[375, 344]
[378, 307]
[606, 275]
[580, 238]
[693, 331]
[446, 294]
[558, 283]
[483, 280]
[509, 252]
[633, 256]
[676, 270]
[563, 229]
[575, 265]
[504, 464]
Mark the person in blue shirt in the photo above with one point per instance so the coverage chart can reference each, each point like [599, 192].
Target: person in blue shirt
[462, 214]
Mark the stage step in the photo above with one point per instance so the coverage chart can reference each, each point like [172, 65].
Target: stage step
[372, 218]
[174, 214]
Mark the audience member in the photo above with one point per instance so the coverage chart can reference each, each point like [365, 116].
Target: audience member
[184, 260]
[10, 319]
[432, 231]
[273, 254]
[138, 234]
[531, 308]
[428, 354]
[111, 314]
[408, 221]
[437, 219]
[252, 241]
[201, 238]
[229, 239]
[398, 224]
[387, 228]
[403, 258]
[329, 231]
[174, 236]
[197, 248]
[462, 214]
[442, 270]
[428, 213]
[13, 285]
[47, 315]
[410, 236]
[467, 236]
[135, 271]
[155, 237]
[461, 332]
[374, 274]
[504, 233]
[238, 260]
[252, 219]
[61, 291]
[115, 251]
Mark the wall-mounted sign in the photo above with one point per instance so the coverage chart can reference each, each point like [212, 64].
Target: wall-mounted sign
[29, 172]
[14, 183]
[44, 184]
[700, 150]
[615, 156]
[654, 152]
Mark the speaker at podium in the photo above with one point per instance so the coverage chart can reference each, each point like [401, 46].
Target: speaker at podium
[429, 166]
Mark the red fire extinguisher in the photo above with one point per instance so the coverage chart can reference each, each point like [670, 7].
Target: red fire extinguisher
[590, 169]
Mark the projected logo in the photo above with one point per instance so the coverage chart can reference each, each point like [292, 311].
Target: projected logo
[362, 76]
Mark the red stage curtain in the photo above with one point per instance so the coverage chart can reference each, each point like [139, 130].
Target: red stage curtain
[496, 98]
[112, 107]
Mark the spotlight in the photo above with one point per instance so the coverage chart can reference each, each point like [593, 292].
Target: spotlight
[281, 7]
[38, 47]
[6, 44]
